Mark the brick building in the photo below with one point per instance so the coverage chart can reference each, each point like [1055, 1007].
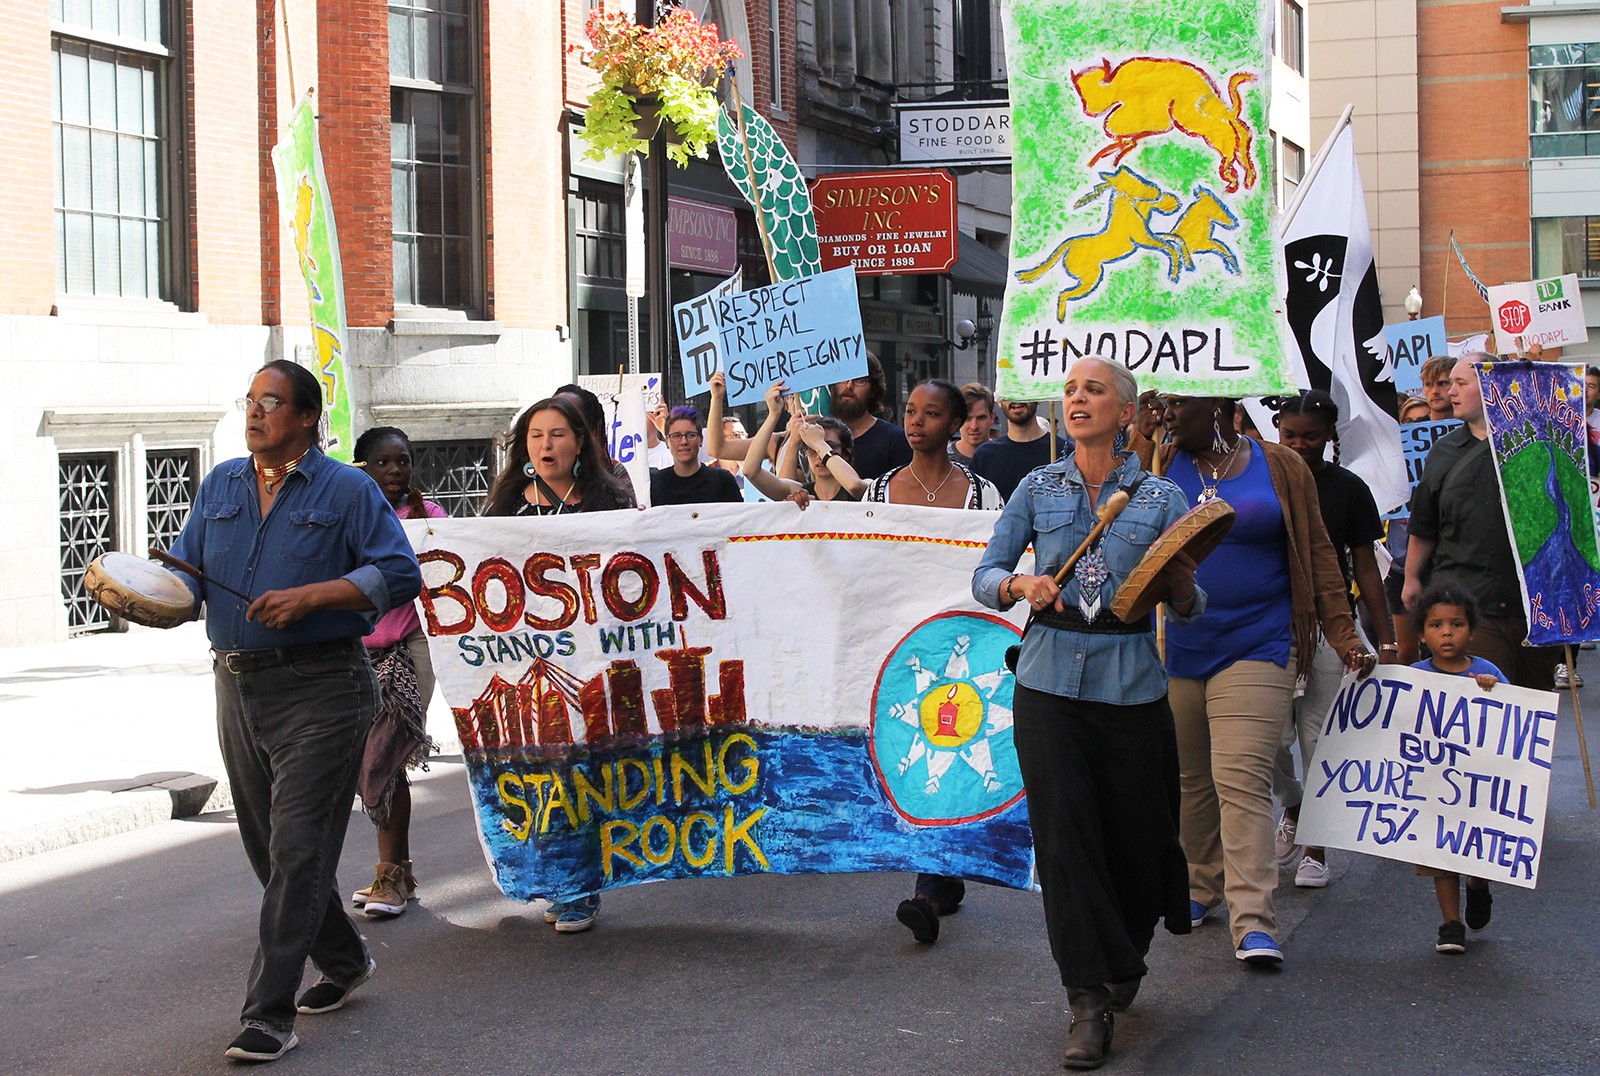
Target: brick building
[147, 272]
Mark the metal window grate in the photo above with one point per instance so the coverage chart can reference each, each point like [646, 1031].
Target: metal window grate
[169, 482]
[454, 474]
[88, 528]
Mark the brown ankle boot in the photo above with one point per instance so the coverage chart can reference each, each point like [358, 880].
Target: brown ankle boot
[1123, 993]
[1089, 1038]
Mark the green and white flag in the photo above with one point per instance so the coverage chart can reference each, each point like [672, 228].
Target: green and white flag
[1142, 210]
[307, 210]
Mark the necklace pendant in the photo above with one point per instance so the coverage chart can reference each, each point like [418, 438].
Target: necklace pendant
[930, 498]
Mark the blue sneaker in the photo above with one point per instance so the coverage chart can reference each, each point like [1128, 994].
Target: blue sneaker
[553, 910]
[578, 914]
[1257, 947]
[1198, 912]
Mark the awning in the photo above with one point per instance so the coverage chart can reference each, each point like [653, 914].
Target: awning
[978, 271]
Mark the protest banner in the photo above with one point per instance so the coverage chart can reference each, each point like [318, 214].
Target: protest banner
[307, 210]
[1416, 440]
[1547, 312]
[765, 174]
[1426, 768]
[708, 696]
[1143, 212]
[699, 342]
[1412, 343]
[626, 399]
[1540, 442]
[805, 332]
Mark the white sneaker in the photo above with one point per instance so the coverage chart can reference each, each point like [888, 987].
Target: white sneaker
[1283, 842]
[1311, 875]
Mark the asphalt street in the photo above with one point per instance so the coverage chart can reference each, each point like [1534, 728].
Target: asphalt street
[129, 954]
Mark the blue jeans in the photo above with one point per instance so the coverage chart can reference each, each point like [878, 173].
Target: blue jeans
[292, 738]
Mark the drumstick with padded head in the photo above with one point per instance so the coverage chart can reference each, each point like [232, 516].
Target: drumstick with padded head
[189, 569]
[1108, 512]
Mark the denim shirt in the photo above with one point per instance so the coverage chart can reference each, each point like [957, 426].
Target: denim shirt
[1051, 510]
[328, 521]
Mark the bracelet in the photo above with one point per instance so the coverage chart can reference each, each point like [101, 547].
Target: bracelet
[826, 456]
[1389, 646]
[1005, 589]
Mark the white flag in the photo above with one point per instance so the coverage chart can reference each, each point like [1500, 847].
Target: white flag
[1336, 317]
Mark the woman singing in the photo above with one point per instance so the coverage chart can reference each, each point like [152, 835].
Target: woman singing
[1094, 735]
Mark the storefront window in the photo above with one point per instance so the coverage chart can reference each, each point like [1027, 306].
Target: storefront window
[1564, 100]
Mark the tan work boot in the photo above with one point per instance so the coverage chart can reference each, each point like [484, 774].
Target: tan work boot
[359, 897]
[389, 891]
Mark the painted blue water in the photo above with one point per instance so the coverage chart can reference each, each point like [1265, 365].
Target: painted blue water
[802, 802]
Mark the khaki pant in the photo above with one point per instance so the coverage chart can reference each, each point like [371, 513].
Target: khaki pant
[1229, 728]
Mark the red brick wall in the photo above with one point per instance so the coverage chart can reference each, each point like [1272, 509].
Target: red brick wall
[353, 106]
[222, 130]
[27, 217]
[1472, 120]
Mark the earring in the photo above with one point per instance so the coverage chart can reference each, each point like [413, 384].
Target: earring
[577, 468]
[1218, 445]
[1119, 444]
[529, 469]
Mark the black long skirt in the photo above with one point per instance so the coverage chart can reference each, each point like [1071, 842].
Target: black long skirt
[1103, 798]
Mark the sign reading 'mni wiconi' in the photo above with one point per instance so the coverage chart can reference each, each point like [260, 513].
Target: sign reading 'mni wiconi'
[955, 132]
[634, 706]
[1546, 312]
[1143, 216]
[804, 332]
[1426, 768]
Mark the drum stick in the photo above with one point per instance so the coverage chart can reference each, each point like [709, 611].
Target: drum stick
[189, 569]
[1108, 512]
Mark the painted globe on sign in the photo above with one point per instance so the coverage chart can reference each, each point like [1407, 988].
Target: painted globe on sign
[941, 721]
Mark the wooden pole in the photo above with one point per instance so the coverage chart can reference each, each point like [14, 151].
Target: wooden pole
[1577, 715]
[750, 175]
[1052, 406]
[288, 50]
[1158, 465]
[1449, 256]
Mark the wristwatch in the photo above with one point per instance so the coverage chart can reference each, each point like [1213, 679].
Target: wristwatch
[826, 456]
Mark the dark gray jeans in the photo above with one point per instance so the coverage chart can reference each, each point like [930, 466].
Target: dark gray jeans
[292, 738]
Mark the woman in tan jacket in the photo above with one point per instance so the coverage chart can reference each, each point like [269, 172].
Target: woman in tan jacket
[1271, 583]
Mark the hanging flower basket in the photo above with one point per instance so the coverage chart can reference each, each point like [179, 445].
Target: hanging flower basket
[650, 76]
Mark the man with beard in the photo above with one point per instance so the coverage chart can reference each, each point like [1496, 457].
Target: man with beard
[1026, 445]
[879, 445]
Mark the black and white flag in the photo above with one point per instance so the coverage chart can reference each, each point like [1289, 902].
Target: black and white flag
[1336, 317]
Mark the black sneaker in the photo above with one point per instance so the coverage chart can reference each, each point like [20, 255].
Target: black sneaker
[1480, 905]
[921, 916]
[325, 995]
[254, 1044]
[1452, 938]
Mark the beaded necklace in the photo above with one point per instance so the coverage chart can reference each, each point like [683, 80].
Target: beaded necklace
[274, 476]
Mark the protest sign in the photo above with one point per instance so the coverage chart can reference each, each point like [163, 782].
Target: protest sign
[1412, 343]
[307, 210]
[640, 703]
[626, 398]
[1426, 768]
[805, 332]
[699, 342]
[1548, 312]
[1416, 441]
[1143, 212]
[1540, 441]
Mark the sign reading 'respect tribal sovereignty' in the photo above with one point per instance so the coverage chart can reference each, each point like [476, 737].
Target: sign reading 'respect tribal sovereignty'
[887, 223]
[1142, 171]
[1425, 768]
[805, 332]
[701, 696]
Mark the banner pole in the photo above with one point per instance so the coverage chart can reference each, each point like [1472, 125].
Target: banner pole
[750, 175]
[288, 48]
[1052, 406]
[1577, 715]
[1316, 166]
[1444, 307]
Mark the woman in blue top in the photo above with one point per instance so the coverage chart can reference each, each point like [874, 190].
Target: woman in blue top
[1093, 732]
[1272, 582]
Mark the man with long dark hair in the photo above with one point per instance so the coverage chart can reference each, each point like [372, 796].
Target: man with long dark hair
[879, 444]
[301, 556]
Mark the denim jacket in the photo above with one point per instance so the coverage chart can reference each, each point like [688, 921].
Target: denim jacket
[1051, 510]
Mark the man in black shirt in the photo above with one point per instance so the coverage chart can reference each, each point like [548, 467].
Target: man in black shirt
[1026, 445]
[879, 445]
[688, 481]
